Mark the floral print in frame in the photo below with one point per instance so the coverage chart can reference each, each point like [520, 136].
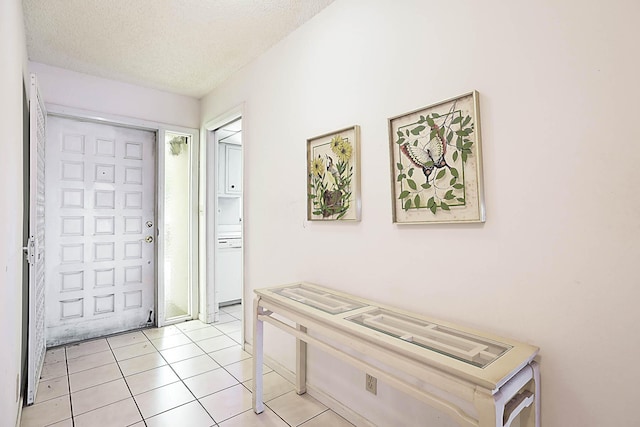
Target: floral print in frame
[333, 176]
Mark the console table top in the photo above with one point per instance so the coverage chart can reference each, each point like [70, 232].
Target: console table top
[476, 356]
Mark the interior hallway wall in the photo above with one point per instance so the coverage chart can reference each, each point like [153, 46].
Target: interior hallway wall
[82, 91]
[555, 263]
[12, 77]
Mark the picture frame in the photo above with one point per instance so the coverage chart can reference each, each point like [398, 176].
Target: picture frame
[436, 163]
[333, 176]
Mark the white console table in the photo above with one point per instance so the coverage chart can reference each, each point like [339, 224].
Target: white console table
[476, 378]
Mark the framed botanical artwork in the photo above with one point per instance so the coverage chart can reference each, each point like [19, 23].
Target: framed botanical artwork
[333, 176]
[436, 163]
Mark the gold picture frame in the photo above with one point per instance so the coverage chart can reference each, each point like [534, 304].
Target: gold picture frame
[333, 176]
[436, 163]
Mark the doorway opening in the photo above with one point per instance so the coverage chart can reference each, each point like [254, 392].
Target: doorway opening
[228, 277]
[224, 221]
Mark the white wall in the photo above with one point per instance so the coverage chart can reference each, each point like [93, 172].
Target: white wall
[13, 54]
[77, 90]
[555, 263]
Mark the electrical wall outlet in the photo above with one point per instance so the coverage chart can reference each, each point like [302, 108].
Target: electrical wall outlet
[371, 384]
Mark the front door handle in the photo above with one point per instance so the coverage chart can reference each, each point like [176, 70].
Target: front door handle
[148, 239]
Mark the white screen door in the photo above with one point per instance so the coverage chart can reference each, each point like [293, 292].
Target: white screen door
[35, 248]
[101, 231]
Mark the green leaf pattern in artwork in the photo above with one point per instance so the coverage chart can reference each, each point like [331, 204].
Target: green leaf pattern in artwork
[444, 144]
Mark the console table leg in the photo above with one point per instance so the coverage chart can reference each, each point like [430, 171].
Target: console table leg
[258, 329]
[489, 415]
[301, 363]
[530, 416]
[533, 419]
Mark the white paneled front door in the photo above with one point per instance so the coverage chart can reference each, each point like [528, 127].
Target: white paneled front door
[100, 237]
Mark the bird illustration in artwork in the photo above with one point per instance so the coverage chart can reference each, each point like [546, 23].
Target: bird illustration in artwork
[332, 198]
[333, 202]
[331, 168]
[428, 157]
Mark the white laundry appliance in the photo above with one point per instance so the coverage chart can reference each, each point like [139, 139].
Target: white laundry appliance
[229, 267]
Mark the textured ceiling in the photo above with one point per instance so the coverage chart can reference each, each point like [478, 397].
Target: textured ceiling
[181, 46]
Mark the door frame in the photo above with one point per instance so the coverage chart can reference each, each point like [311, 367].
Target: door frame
[209, 307]
[160, 130]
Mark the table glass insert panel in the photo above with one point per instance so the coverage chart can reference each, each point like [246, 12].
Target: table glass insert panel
[472, 349]
[319, 299]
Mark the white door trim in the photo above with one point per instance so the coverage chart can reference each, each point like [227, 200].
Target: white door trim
[160, 129]
[94, 116]
[208, 219]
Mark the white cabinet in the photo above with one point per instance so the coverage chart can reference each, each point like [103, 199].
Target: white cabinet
[234, 169]
[229, 169]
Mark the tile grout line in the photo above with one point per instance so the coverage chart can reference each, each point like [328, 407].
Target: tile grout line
[192, 341]
[251, 379]
[205, 354]
[66, 363]
[125, 381]
[315, 416]
[278, 415]
[123, 378]
[105, 382]
[182, 380]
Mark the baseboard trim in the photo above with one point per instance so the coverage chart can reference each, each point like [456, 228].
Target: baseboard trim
[317, 393]
[337, 407]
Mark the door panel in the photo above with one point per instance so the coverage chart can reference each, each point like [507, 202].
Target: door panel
[35, 245]
[100, 217]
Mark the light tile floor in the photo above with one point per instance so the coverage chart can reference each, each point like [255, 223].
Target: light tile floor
[188, 374]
